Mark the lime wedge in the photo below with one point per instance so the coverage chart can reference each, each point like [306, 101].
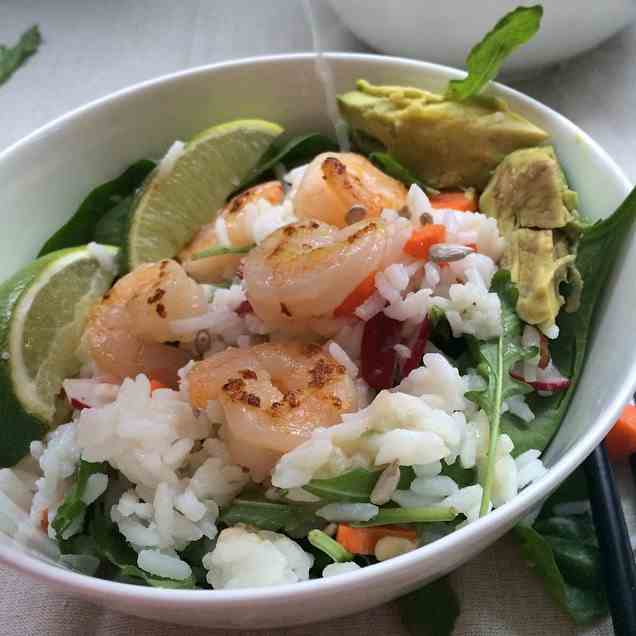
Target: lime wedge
[183, 194]
[42, 313]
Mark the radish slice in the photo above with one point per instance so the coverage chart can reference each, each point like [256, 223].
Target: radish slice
[549, 380]
[378, 357]
[417, 347]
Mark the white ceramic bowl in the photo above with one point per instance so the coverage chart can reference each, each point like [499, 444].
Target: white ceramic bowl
[45, 176]
[444, 32]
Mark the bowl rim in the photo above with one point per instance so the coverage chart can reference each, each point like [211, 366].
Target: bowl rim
[89, 586]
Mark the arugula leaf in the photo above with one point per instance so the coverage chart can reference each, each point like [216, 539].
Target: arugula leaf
[597, 250]
[354, 486]
[295, 519]
[329, 546]
[11, 58]
[80, 228]
[430, 611]
[73, 506]
[112, 546]
[219, 250]
[395, 169]
[295, 152]
[496, 357]
[111, 229]
[563, 553]
[486, 57]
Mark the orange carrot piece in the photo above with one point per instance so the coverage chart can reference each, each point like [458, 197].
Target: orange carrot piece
[456, 200]
[155, 384]
[356, 297]
[423, 238]
[621, 440]
[363, 540]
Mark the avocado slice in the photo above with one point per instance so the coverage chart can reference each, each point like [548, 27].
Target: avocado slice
[536, 212]
[529, 189]
[447, 144]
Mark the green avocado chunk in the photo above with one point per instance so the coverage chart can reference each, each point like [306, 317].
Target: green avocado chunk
[447, 144]
[536, 212]
[529, 189]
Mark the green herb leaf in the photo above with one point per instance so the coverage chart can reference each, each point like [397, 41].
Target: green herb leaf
[11, 58]
[295, 152]
[598, 247]
[496, 358]
[424, 514]
[219, 250]
[485, 59]
[329, 546]
[430, 611]
[395, 169]
[295, 519]
[80, 228]
[111, 229]
[73, 506]
[354, 486]
[570, 568]
[112, 547]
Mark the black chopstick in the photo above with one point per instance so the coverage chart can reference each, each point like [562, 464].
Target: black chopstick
[617, 558]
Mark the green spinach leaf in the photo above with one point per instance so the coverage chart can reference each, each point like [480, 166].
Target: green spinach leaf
[73, 506]
[486, 57]
[294, 152]
[11, 58]
[80, 228]
[598, 247]
[432, 610]
[395, 169]
[496, 357]
[564, 554]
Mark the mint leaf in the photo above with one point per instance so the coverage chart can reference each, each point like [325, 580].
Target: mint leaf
[73, 506]
[430, 611]
[495, 358]
[485, 58]
[11, 58]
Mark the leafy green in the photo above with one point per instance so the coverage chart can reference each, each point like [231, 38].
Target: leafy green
[486, 57]
[111, 546]
[395, 169]
[11, 58]
[496, 357]
[430, 611]
[294, 519]
[219, 250]
[424, 514]
[329, 546]
[111, 229]
[597, 250]
[563, 551]
[73, 507]
[80, 228]
[294, 152]
[354, 486]
[460, 475]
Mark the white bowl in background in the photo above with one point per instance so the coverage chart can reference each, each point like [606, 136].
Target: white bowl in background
[47, 174]
[444, 32]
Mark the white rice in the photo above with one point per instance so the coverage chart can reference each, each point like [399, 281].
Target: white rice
[348, 511]
[340, 356]
[164, 565]
[334, 569]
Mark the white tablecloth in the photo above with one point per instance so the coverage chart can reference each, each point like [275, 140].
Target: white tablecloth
[93, 47]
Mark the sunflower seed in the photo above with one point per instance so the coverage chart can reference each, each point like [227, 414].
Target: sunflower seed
[386, 484]
[426, 218]
[355, 214]
[202, 343]
[447, 252]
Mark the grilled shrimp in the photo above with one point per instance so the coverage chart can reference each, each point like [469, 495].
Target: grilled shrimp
[302, 272]
[218, 268]
[273, 396]
[334, 182]
[126, 331]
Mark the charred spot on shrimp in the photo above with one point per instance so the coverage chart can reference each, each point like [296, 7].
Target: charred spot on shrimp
[161, 310]
[312, 349]
[364, 230]
[289, 230]
[156, 297]
[332, 166]
[336, 401]
[291, 397]
[284, 310]
[253, 400]
[234, 386]
[248, 374]
[323, 372]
